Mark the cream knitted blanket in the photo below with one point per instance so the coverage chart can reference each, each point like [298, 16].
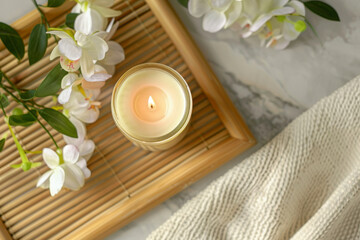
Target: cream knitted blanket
[304, 184]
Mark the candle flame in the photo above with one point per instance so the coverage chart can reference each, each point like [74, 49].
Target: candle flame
[151, 103]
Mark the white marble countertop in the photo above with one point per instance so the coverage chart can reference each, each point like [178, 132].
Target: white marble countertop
[270, 88]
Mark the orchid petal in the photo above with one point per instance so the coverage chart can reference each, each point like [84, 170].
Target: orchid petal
[233, 13]
[282, 11]
[69, 48]
[81, 163]
[64, 95]
[57, 179]
[109, 27]
[214, 21]
[100, 75]
[281, 44]
[83, 23]
[246, 34]
[74, 177]
[95, 47]
[50, 158]
[81, 132]
[86, 149]
[253, 8]
[115, 54]
[107, 12]
[109, 68]
[77, 101]
[87, 65]
[198, 8]
[221, 5]
[298, 6]
[278, 3]
[87, 115]
[60, 34]
[69, 65]
[86, 172]
[101, 34]
[68, 80]
[89, 22]
[55, 53]
[290, 32]
[260, 22]
[44, 178]
[112, 31]
[93, 93]
[71, 154]
[76, 9]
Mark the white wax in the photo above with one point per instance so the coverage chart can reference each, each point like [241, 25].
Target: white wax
[150, 78]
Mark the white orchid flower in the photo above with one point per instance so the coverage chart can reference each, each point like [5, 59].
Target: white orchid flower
[218, 14]
[116, 53]
[94, 14]
[65, 170]
[82, 105]
[281, 30]
[257, 12]
[86, 49]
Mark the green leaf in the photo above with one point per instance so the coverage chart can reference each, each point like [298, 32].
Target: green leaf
[70, 19]
[55, 3]
[58, 121]
[12, 40]
[17, 111]
[27, 95]
[24, 120]
[51, 83]
[323, 10]
[16, 165]
[35, 164]
[4, 100]
[37, 43]
[2, 144]
[184, 2]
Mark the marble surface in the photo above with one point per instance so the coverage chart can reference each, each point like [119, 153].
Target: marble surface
[270, 88]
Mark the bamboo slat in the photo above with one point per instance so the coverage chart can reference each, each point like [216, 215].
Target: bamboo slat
[126, 181]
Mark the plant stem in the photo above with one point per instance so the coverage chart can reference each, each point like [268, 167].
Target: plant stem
[27, 108]
[21, 151]
[13, 86]
[32, 102]
[43, 17]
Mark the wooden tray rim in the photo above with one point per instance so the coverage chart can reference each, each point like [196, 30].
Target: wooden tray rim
[192, 170]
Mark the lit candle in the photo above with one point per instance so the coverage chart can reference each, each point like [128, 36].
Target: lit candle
[151, 105]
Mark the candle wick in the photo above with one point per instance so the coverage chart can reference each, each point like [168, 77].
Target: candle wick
[151, 103]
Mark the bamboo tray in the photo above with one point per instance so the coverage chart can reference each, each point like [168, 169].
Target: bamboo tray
[126, 181]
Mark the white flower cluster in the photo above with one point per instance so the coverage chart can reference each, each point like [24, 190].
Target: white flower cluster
[275, 22]
[89, 57]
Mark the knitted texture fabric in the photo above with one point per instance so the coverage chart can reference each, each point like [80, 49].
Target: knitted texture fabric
[302, 185]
